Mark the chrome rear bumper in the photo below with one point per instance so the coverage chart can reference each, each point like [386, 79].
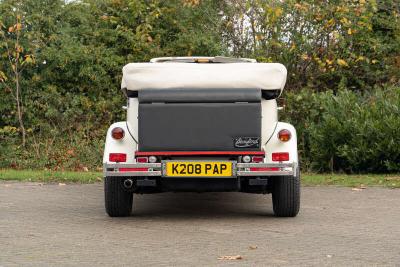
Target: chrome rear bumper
[240, 169]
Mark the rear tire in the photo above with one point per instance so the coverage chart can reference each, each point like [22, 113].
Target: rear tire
[118, 202]
[286, 195]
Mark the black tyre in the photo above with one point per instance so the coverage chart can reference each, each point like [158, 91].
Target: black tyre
[286, 195]
[118, 202]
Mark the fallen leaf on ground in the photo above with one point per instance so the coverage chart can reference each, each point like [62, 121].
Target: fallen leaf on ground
[235, 257]
[61, 184]
[252, 247]
[99, 179]
[357, 189]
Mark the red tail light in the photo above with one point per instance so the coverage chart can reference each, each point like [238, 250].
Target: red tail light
[133, 169]
[257, 159]
[284, 135]
[117, 133]
[117, 157]
[258, 169]
[280, 156]
[142, 159]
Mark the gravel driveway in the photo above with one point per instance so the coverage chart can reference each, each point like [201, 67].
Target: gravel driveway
[48, 225]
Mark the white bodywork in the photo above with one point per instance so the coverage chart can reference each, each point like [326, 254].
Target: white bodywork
[269, 136]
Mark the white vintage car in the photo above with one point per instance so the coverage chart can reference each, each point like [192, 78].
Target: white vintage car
[202, 124]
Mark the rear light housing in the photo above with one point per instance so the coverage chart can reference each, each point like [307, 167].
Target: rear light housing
[246, 159]
[257, 159]
[117, 133]
[284, 135]
[153, 159]
[117, 157]
[280, 156]
[142, 159]
[133, 169]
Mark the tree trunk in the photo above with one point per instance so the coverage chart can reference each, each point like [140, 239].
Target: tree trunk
[19, 108]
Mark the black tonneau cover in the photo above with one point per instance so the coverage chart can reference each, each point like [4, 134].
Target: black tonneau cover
[196, 120]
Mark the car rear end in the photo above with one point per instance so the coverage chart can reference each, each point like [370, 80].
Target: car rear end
[193, 135]
[205, 140]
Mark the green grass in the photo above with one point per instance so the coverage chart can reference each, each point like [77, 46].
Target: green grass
[386, 180]
[50, 176]
[308, 179]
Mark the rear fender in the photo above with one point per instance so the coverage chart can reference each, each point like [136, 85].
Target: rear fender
[126, 145]
[276, 145]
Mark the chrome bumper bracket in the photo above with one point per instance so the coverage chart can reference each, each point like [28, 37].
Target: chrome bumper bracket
[113, 169]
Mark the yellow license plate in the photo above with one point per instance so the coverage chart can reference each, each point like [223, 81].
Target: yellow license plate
[199, 169]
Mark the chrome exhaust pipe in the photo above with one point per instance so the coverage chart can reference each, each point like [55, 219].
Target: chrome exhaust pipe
[128, 183]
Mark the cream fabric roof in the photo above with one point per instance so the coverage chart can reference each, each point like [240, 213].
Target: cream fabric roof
[142, 76]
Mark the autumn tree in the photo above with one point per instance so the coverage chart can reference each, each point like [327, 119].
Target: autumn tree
[17, 53]
[324, 44]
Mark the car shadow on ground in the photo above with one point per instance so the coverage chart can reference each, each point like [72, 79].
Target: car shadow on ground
[201, 205]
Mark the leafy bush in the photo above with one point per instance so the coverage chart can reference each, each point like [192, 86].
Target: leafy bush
[347, 131]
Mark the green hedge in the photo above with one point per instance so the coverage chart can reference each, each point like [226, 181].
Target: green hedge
[344, 131]
[347, 131]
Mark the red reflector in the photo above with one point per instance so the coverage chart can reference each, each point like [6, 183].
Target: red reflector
[257, 159]
[117, 157]
[258, 169]
[142, 159]
[133, 169]
[281, 156]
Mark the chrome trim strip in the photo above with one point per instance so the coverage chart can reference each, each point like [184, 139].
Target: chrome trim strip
[294, 169]
[265, 165]
[164, 168]
[265, 173]
[234, 169]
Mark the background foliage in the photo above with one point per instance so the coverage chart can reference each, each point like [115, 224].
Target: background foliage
[343, 60]
[347, 131]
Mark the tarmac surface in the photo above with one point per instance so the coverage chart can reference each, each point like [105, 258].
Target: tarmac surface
[64, 225]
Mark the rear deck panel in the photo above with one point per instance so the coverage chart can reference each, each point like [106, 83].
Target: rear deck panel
[197, 126]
